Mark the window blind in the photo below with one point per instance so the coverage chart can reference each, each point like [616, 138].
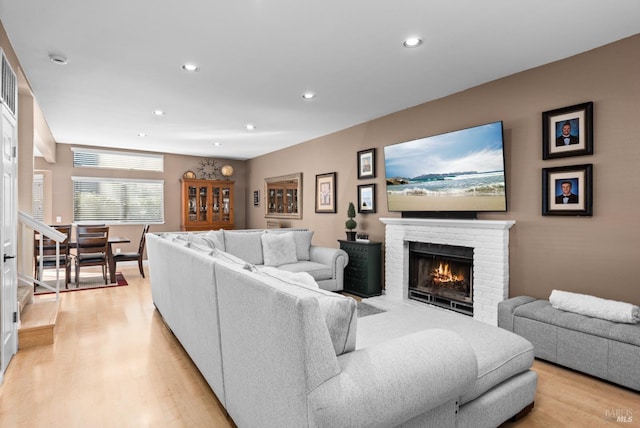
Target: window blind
[118, 200]
[96, 158]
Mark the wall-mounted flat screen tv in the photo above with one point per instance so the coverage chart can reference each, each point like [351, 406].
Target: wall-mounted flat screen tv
[457, 172]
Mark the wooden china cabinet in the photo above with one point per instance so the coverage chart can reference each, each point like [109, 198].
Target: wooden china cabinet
[206, 204]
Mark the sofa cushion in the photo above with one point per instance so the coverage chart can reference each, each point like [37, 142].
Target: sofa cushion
[318, 271]
[501, 354]
[339, 312]
[215, 238]
[278, 249]
[204, 249]
[171, 236]
[246, 245]
[180, 242]
[626, 333]
[230, 259]
[200, 240]
[303, 244]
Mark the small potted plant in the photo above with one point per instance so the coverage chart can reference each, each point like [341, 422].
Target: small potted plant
[351, 223]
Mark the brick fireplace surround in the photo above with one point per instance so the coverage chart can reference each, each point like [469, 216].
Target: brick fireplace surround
[488, 238]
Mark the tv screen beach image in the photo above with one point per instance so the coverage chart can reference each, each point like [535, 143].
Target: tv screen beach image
[458, 171]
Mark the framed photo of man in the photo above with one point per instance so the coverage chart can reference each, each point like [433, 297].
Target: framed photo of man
[326, 193]
[568, 190]
[568, 131]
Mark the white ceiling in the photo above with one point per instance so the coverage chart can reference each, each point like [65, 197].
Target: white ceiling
[257, 57]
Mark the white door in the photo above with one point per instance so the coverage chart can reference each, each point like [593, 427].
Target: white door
[8, 239]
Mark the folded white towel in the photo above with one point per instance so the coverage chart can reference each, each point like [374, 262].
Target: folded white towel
[595, 307]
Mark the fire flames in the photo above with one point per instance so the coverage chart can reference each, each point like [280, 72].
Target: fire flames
[443, 274]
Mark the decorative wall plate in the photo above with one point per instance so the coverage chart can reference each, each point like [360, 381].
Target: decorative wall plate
[208, 169]
[189, 174]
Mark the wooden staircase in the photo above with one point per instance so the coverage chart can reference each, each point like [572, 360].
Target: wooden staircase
[38, 315]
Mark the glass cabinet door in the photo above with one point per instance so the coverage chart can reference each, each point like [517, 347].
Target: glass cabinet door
[216, 203]
[192, 193]
[292, 198]
[271, 202]
[226, 204]
[203, 204]
[221, 204]
[280, 200]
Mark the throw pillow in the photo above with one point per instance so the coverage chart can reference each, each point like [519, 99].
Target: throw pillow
[278, 249]
[340, 315]
[595, 307]
[302, 238]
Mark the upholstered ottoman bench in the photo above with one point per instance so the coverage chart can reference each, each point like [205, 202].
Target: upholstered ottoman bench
[602, 348]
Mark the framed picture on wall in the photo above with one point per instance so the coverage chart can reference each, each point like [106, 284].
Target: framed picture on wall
[326, 193]
[256, 198]
[367, 198]
[568, 190]
[568, 131]
[367, 163]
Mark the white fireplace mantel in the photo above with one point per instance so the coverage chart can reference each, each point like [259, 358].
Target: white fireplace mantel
[443, 222]
[488, 238]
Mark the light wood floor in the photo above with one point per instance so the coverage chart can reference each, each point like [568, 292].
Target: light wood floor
[114, 364]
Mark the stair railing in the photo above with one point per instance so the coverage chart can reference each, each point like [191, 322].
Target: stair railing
[48, 231]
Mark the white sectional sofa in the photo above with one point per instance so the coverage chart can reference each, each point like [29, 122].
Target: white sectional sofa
[271, 247]
[280, 352]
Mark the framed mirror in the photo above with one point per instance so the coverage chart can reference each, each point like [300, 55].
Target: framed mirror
[283, 196]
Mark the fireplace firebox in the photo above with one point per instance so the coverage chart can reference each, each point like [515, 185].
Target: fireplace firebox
[441, 275]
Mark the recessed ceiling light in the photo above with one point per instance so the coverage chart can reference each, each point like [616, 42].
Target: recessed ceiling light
[250, 126]
[412, 42]
[190, 67]
[308, 95]
[217, 143]
[142, 134]
[158, 112]
[58, 59]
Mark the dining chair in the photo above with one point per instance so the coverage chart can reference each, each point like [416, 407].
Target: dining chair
[49, 253]
[92, 249]
[122, 257]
